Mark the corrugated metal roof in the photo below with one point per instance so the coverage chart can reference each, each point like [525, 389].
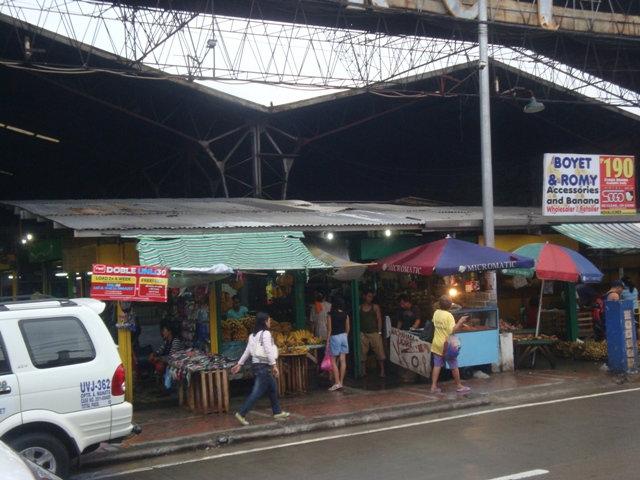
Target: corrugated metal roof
[170, 216]
[240, 251]
[617, 236]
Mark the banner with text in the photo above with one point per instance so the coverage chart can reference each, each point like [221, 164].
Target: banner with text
[129, 283]
[408, 351]
[578, 184]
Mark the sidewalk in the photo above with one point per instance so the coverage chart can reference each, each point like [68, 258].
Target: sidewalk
[170, 430]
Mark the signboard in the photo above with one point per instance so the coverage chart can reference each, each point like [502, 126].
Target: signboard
[585, 185]
[129, 283]
[408, 351]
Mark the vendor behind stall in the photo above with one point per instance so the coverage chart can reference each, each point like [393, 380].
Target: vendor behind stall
[171, 344]
[237, 311]
[408, 315]
[318, 315]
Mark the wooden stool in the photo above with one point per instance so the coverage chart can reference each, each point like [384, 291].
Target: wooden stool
[208, 392]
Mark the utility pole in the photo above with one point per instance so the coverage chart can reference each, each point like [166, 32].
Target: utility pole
[485, 139]
[485, 126]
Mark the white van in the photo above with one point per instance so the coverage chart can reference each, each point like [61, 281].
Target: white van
[62, 382]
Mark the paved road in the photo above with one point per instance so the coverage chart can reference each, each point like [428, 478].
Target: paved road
[589, 438]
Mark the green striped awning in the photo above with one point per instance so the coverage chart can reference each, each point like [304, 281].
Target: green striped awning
[615, 236]
[238, 251]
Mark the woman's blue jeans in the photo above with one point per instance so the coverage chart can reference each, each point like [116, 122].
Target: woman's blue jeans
[263, 383]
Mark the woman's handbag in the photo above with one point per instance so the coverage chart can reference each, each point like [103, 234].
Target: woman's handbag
[326, 366]
[259, 351]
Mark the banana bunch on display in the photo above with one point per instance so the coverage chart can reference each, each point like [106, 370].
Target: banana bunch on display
[296, 342]
[304, 337]
[281, 327]
[237, 330]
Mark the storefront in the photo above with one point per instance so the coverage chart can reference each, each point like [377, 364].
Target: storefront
[445, 267]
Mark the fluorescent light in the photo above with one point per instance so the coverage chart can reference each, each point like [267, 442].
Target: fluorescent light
[280, 271]
[20, 130]
[10, 277]
[30, 133]
[89, 273]
[48, 139]
[62, 274]
[78, 278]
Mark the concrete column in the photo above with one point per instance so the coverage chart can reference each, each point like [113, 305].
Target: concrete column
[355, 326]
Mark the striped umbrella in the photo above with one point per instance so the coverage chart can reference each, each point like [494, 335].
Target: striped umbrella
[553, 262]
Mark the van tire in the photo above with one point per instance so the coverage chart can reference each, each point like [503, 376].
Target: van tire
[48, 443]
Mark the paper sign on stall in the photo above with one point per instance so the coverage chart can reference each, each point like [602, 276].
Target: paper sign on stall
[129, 283]
[408, 351]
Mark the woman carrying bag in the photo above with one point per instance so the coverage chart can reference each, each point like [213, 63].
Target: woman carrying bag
[445, 346]
[264, 354]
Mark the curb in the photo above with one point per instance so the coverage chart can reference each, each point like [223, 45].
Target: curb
[245, 434]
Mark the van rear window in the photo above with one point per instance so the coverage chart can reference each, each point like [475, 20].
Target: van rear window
[4, 361]
[55, 342]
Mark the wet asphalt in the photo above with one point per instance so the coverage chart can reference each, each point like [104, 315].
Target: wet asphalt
[590, 438]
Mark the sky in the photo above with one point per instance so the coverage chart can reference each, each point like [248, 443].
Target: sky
[253, 60]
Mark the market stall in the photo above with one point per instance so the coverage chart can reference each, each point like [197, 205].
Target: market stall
[458, 263]
[551, 263]
[269, 273]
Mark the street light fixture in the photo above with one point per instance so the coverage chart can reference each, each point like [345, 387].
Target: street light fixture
[533, 106]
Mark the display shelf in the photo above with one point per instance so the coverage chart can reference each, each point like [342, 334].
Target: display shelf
[480, 345]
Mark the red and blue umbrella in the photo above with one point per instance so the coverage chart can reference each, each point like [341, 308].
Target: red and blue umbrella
[451, 256]
[553, 262]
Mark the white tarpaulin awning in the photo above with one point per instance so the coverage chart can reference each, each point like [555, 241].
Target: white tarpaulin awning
[338, 258]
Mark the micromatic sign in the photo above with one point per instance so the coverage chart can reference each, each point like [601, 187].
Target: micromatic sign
[478, 267]
[481, 267]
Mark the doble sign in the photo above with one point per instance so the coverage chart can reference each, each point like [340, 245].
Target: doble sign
[129, 283]
[578, 184]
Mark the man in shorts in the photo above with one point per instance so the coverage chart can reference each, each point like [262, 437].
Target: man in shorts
[371, 332]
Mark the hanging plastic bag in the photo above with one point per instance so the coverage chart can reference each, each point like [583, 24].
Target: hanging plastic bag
[326, 366]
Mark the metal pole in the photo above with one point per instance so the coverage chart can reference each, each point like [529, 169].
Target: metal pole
[485, 126]
[485, 142]
[257, 166]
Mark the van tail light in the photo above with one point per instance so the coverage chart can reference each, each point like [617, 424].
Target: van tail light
[118, 382]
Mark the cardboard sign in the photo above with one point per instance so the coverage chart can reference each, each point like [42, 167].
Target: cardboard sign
[581, 185]
[129, 283]
[408, 351]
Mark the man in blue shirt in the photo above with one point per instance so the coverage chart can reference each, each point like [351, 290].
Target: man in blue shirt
[237, 311]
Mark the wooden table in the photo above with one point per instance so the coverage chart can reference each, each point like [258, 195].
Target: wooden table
[294, 376]
[530, 348]
[206, 392]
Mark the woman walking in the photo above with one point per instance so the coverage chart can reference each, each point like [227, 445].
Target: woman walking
[264, 354]
[337, 341]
